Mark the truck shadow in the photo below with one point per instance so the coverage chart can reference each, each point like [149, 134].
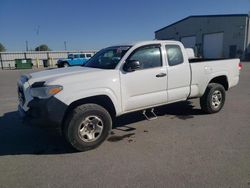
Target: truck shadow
[180, 110]
[17, 138]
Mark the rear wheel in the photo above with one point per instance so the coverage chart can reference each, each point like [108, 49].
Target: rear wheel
[213, 99]
[87, 126]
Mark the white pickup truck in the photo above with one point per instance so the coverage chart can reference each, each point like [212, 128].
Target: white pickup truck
[121, 79]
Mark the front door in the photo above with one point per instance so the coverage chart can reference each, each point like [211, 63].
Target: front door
[76, 60]
[147, 86]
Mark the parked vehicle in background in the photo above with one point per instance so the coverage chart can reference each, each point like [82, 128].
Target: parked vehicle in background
[121, 79]
[74, 59]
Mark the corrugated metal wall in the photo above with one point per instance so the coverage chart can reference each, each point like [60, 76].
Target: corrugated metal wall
[7, 59]
[233, 27]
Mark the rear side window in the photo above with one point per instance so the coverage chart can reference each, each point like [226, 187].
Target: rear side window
[174, 55]
[82, 55]
[88, 55]
[148, 56]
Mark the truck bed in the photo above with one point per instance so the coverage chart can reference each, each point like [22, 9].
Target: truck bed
[211, 68]
[201, 60]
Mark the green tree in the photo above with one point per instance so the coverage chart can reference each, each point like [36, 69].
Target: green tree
[42, 47]
[2, 48]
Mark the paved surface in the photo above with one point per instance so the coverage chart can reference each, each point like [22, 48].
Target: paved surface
[182, 148]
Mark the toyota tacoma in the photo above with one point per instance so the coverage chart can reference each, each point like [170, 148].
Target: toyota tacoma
[121, 79]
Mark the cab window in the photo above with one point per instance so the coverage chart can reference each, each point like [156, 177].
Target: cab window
[174, 55]
[148, 56]
[76, 55]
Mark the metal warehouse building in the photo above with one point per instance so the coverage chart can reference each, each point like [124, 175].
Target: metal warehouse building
[212, 36]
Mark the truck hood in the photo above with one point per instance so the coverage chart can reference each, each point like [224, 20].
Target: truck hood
[59, 73]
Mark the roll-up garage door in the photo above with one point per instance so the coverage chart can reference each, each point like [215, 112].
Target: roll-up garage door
[189, 42]
[213, 45]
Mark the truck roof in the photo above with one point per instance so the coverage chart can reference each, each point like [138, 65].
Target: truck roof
[147, 42]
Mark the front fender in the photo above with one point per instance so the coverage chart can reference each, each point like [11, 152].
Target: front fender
[70, 62]
[69, 98]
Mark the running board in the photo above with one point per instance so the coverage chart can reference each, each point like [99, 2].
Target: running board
[153, 117]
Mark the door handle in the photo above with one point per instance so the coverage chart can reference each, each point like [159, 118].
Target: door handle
[161, 75]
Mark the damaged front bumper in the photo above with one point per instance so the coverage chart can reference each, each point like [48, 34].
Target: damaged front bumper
[44, 111]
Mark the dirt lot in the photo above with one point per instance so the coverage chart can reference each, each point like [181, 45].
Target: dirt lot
[182, 148]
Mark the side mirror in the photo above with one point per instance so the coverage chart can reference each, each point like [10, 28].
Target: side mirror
[132, 65]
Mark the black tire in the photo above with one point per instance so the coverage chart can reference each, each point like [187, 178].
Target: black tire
[59, 66]
[74, 122]
[208, 101]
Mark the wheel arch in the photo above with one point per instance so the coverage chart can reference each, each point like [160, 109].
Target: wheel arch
[102, 100]
[66, 62]
[221, 80]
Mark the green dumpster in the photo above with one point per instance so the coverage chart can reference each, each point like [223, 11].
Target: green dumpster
[23, 63]
[45, 63]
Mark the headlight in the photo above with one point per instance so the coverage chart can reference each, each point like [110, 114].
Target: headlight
[45, 92]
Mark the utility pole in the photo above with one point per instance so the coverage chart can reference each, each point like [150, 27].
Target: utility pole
[65, 45]
[37, 33]
[27, 45]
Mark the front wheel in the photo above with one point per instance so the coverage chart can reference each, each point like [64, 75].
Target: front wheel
[213, 99]
[65, 64]
[87, 126]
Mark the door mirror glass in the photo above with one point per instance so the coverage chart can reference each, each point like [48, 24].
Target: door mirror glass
[132, 65]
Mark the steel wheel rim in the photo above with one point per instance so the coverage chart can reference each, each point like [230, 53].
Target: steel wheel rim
[90, 129]
[216, 99]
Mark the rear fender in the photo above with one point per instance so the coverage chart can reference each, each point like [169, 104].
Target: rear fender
[210, 78]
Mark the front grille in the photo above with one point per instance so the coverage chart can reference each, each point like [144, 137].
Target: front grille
[21, 97]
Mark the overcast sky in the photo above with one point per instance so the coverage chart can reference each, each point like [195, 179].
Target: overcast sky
[94, 24]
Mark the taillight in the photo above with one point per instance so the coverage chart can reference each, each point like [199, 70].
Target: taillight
[240, 66]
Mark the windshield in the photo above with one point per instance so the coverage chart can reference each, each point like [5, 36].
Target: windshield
[107, 58]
